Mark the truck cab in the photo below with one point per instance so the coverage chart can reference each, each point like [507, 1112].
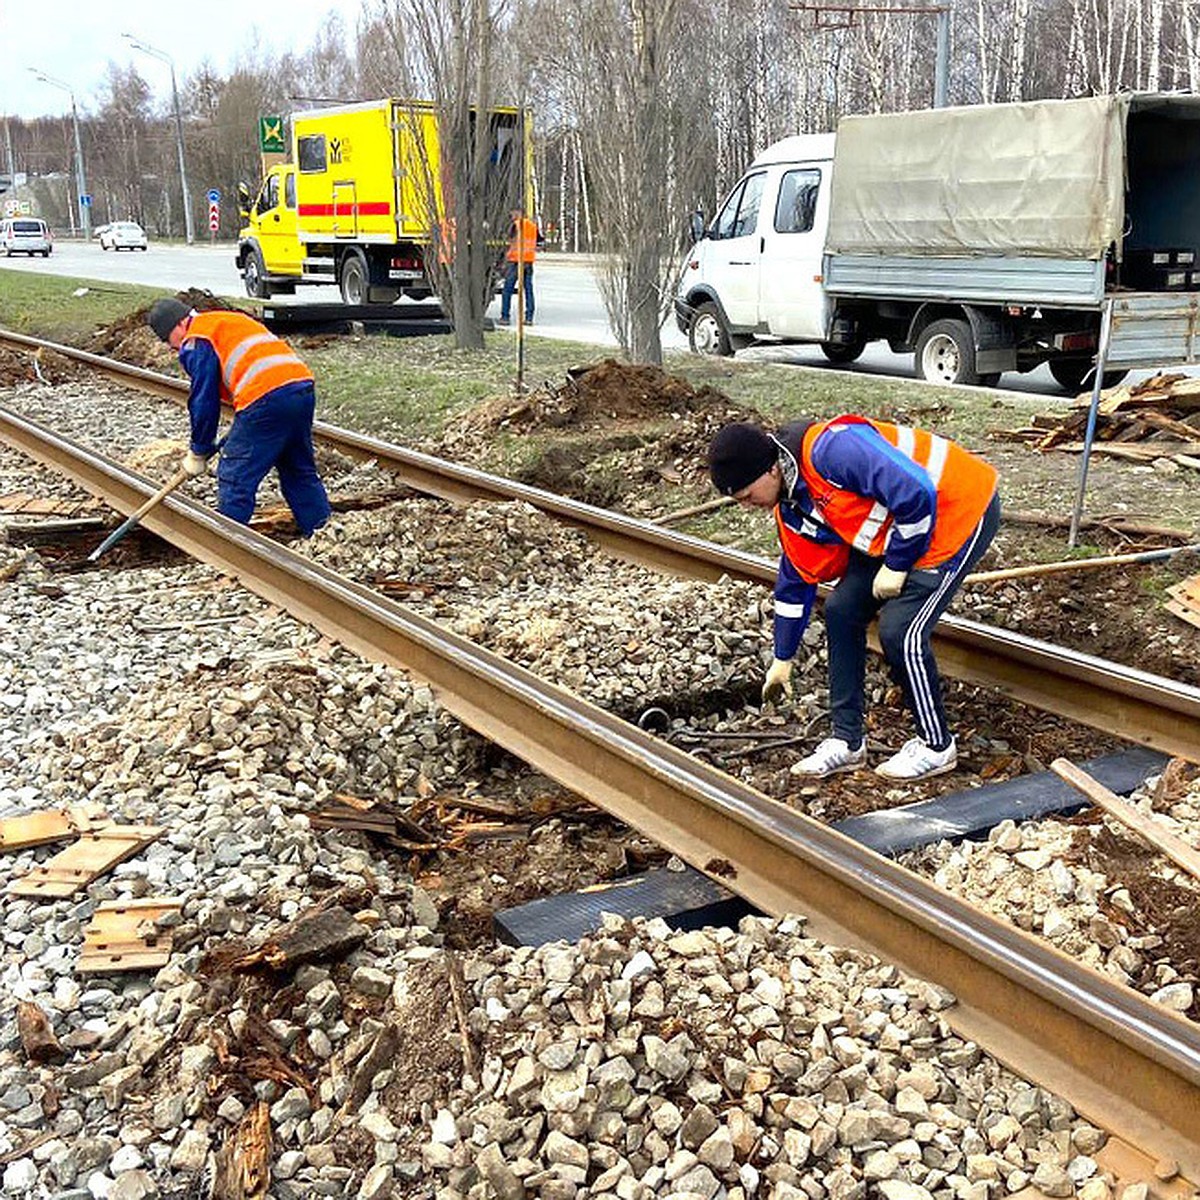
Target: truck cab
[755, 269]
[270, 255]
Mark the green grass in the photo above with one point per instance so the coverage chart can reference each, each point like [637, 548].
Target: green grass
[46, 305]
[411, 387]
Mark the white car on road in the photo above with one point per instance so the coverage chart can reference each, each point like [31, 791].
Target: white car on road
[123, 235]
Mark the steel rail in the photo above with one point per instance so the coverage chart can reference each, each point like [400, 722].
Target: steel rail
[1114, 698]
[1126, 1064]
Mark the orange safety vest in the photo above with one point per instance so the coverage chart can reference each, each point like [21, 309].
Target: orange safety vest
[964, 484]
[253, 360]
[523, 247]
[815, 562]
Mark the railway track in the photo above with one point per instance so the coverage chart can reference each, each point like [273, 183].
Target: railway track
[1146, 708]
[1125, 1063]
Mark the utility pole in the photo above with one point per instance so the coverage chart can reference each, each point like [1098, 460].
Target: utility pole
[162, 56]
[85, 201]
[849, 12]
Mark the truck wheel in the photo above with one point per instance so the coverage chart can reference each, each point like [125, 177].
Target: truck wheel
[254, 276]
[946, 353]
[843, 352]
[707, 333]
[1069, 374]
[353, 278]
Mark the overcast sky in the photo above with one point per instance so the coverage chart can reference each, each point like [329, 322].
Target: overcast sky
[75, 40]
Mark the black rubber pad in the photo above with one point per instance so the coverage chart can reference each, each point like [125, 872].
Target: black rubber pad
[971, 813]
[689, 900]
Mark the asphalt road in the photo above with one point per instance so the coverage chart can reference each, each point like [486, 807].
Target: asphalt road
[567, 297]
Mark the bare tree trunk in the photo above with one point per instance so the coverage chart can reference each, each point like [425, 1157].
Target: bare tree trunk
[1154, 69]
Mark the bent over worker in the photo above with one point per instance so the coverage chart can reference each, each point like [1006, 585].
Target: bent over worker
[233, 358]
[899, 516]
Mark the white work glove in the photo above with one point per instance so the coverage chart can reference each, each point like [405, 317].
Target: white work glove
[194, 464]
[888, 583]
[778, 682]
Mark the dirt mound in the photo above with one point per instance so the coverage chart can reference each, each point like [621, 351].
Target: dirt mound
[131, 340]
[603, 391]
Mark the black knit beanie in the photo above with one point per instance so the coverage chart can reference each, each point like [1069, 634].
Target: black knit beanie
[165, 314]
[739, 454]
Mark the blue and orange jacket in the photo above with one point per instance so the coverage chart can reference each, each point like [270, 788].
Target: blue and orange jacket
[233, 359]
[906, 496]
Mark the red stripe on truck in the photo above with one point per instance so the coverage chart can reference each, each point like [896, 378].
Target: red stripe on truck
[370, 208]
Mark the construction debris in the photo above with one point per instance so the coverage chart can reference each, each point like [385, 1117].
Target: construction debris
[1160, 417]
[37, 1035]
[94, 854]
[1184, 600]
[134, 935]
[50, 825]
[243, 1165]
[329, 934]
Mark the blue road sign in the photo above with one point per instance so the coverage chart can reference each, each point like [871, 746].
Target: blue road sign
[86, 199]
[214, 196]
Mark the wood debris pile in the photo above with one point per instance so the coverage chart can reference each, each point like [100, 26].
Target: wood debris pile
[1141, 422]
[442, 822]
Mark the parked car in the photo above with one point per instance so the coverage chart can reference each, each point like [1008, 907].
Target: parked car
[25, 235]
[123, 235]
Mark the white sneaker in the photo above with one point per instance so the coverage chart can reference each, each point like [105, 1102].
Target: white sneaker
[916, 760]
[830, 757]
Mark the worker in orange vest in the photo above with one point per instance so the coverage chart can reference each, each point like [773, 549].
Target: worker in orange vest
[232, 358]
[898, 516]
[524, 239]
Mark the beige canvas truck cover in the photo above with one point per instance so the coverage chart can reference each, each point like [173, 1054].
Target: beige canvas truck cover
[1044, 178]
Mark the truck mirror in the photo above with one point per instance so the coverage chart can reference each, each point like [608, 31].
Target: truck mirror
[696, 223]
[243, 195]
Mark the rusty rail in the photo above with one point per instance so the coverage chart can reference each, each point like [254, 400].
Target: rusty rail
[1125, 1063]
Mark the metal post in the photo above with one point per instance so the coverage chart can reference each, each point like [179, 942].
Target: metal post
[941, 70]
[12, 162]
[1093, 410]
[163, 56]
[85, 213]
[85, 208]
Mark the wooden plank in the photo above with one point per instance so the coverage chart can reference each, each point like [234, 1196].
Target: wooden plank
[122, 936]
[91, 856]
[50, 825]
[1175, 848]
[1183, 611]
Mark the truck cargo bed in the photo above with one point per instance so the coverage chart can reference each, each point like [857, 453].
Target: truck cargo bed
[1051, 282]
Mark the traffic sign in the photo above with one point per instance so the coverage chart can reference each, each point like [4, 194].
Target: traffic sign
[214, 217]
[86, 199]
[214, 196]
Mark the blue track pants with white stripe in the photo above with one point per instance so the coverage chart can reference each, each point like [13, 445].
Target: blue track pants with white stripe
[905, 629]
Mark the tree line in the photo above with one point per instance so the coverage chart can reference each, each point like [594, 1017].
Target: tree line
[643, 109]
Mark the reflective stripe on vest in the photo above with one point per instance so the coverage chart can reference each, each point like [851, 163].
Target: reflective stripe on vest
[253, 360]
[815, 562]
[964, 485]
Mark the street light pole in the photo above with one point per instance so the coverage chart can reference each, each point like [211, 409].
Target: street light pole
[85, 211]
[162, 56]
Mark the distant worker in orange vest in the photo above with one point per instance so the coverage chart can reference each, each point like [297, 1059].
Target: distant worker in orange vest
[233, 358]
[898, 516]
[524, 239]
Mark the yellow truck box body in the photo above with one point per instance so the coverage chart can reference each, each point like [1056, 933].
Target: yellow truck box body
[355, 197]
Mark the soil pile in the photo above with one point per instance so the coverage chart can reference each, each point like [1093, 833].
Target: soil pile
[131, 340]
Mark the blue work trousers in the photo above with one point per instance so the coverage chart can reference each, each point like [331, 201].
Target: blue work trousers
[905, 628]
[510, 286]
[274, 431]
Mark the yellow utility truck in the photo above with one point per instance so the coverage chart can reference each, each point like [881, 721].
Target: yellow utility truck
[364, 200]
